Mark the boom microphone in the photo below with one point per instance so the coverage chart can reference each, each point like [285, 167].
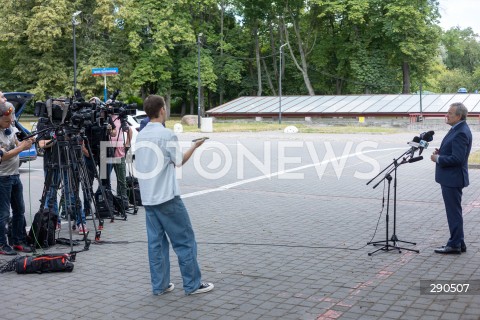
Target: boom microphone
[415, 159]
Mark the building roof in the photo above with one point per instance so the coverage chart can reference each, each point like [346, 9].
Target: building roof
[348, 105]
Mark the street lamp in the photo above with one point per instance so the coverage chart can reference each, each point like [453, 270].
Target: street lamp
[199, 43]
[75, 23]
[280, 85]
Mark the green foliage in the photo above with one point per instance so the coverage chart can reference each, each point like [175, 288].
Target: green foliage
[349, 47]
[462, 49]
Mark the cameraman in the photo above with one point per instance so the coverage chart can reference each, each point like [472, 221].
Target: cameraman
[117, 137]
[100, 131]
[51, 162]
[46, 143]
[11, 188]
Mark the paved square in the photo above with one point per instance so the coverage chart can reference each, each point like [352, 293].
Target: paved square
[275, 248]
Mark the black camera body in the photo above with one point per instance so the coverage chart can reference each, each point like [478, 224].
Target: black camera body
[73, 112]
[121, 109]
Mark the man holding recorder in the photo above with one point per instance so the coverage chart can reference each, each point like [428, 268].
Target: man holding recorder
[156, 156]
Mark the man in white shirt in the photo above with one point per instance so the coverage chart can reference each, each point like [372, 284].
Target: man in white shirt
[156, 156]
[11, 188]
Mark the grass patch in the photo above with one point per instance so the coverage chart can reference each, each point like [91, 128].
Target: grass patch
[474, 157]
[303, 128]
[250, 126]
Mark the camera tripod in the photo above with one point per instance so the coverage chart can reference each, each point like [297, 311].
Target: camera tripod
[67, 170]
[391, 243]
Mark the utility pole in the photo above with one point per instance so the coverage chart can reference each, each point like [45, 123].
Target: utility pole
[280, 85]
[75, 23]
[199, 43]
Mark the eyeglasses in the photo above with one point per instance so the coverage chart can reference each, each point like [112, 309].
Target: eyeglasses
[8, 112]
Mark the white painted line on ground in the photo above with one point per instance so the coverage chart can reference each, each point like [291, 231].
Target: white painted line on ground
[278, 173]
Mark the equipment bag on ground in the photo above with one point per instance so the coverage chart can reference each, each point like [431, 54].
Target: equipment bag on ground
[42, 232]
[102, 206]
[136, 189]
[44, 263]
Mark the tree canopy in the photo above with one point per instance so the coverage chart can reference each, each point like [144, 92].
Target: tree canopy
[329, 47]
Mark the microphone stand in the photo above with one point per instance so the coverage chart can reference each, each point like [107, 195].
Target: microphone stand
[390, 243]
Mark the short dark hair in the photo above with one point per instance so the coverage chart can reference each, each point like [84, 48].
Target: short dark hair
[152, 106]
[460, 110]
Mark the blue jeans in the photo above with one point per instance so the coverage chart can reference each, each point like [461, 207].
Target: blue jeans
[69, 200]
[11, 194]
[171, 219]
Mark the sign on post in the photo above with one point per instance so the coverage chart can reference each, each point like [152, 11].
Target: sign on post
[96, 72]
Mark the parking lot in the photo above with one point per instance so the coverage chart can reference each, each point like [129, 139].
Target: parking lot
[282, 222]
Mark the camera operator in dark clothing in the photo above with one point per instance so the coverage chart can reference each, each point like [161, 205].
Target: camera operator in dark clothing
[99, 132]
[51, 164]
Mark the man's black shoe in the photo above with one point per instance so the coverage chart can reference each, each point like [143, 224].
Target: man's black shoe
[463, 248]
[448, 250]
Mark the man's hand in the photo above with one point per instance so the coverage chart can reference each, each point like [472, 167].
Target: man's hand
[435, 155]
[199, 142]
[85, 151]
[25, 144]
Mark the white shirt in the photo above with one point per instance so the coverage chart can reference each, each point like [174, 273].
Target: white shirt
[157, 152]
[7, 142]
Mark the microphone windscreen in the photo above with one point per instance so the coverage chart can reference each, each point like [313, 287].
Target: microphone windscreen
[428, 136]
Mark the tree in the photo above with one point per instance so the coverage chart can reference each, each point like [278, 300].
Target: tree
[462, 50]
[411, 34]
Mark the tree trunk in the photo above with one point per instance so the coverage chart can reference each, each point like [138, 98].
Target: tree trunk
[269, 80]
[168, 99]
[303, 59]
[184, 108]
[406, 77]
[339, 86]
[259, 65]
[192, 102]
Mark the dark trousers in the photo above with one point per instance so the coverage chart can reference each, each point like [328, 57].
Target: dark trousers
[11, 195]
[452, 197]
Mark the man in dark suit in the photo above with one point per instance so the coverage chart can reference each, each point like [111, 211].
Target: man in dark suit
[451, 173]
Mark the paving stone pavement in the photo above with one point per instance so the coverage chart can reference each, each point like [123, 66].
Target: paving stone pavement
[275, 248]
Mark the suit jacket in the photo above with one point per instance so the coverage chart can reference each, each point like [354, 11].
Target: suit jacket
[452, 165]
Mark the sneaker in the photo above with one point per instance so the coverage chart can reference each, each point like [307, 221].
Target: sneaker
[22, 247]
[7, 250]
[170, 288]
[204, 287]
[82, 230]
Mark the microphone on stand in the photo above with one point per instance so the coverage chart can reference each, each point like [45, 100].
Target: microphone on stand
[425, 138]
[415, 145]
